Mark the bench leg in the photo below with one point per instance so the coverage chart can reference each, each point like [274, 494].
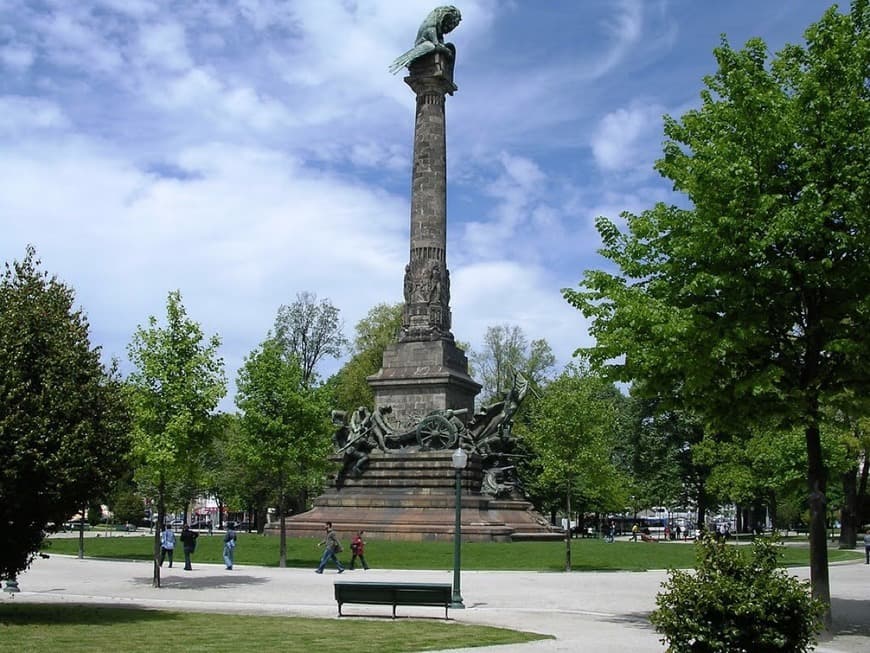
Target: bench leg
[394, 610]
[339, 609]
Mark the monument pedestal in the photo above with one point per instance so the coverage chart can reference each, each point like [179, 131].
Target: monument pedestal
[412, 497]
[418, 377]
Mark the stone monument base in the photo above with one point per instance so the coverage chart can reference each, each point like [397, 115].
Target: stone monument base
[418, 377]
[411, 497]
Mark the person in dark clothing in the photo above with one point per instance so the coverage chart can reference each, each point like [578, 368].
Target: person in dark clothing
[188, 543]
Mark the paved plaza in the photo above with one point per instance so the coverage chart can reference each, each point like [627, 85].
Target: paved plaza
[588, 611]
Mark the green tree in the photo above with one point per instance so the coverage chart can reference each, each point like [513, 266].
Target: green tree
[506, 349]
[374, 333]
[658, 453]
[128, 506]
[572, 429]
[854, 476]
[176, 384]
[309, 330]
[755, 298]
[285, 435]
[64, 423]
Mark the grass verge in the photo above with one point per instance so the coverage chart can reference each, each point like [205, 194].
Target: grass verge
[586, 554]
[84, 629]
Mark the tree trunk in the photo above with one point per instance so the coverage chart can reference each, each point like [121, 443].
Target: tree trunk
[773, 508]
[862, 483]
[82, 532]
[816, 485]
[702, 505]
[158, 528]
[568, 531]
[862, 489]
[849, 513]
[282, 559]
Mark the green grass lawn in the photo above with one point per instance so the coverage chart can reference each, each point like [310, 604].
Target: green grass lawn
[83, 629]
[586, 554]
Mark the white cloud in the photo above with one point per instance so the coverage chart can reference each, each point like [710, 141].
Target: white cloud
[628, 138]
[516, 192]
[25, 114]
[251, 230]
[135, 8]
[71, 40]
[624, 28]
[506, 292]
[164, 45]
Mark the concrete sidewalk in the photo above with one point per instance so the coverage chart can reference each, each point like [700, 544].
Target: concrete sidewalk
[604, 611]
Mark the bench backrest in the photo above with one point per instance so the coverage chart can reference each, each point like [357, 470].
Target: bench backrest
[416, 593]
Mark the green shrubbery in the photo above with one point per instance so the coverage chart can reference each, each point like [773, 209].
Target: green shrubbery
[736, 602]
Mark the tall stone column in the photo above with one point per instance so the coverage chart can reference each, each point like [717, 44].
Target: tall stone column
[425, 370]
[427, 282]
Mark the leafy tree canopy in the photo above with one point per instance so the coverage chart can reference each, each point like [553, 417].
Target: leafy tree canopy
[285, 434]
[63, 419]
[506, 349]
[309, 330]
[374, 333]
[177, 382]
[754, 300]
[573, 429]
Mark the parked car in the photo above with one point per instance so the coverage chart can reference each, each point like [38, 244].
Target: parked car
[200, 524]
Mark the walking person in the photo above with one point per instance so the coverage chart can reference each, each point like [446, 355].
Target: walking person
[357, 548]
[167, 544]
[333, 546]
[634, 531]
[188, 543]
[867, 546]
[229, 547]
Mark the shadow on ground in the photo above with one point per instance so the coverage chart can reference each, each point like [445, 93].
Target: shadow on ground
[23, 613]
[198, 582]
[637, 619]
[851, 617]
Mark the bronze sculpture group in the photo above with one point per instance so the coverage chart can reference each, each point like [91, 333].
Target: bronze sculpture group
[487, 434]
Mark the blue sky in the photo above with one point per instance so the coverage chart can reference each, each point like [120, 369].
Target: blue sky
[243, 152]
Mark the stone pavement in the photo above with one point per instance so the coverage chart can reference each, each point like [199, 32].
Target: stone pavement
[601, 611]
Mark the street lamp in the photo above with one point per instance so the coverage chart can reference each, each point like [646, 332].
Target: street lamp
[460, 459]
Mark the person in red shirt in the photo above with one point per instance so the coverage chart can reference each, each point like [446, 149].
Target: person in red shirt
[357, 548]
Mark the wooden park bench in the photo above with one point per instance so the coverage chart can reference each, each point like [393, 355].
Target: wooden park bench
[435, 594]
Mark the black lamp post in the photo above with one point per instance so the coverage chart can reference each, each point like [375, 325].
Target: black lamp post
[460, 459]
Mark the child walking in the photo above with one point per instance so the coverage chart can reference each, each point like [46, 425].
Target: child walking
[357, 548]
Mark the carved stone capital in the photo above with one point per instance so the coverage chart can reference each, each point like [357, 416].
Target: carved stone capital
[432, 74]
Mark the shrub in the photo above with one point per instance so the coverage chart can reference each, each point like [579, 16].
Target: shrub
[736, 602]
